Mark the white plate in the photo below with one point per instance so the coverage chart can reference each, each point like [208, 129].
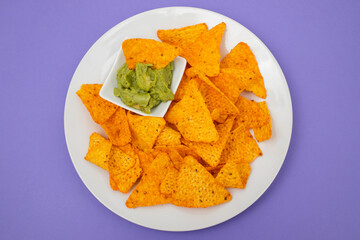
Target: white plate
[94, 68]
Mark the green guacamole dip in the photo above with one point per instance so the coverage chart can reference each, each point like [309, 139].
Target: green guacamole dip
[144, 88]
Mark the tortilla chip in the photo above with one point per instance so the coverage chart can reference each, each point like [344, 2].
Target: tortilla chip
[147, 192]
[182, 37]
[213, 97]
[117, 128]
[264, 132]
[196, 187]
[139, 50]
[174, 155]
[168, 137]
[211, 152]
[168, 185]
[217, 116]
[241, 147]
[123, 169]
[113, 184]
[145, 130]
[145, 159]
[187, 85]
[241, 57]
[99, 109]
[251, 115]
[99, 150]
[181, 150]
[204, 53]
[192, 118]
[234, 175]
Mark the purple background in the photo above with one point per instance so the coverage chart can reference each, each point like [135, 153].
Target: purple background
[316, 194]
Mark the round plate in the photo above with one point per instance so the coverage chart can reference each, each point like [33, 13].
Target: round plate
[94, 68]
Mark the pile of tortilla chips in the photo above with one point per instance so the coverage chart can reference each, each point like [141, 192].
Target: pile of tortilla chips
[203, 144]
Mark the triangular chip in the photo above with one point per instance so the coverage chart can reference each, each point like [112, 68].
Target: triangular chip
[145, 130]
[251, 115]
[168, 137]
[204, 52]
[241, 57]
[264, 132]
[211, 152]
[168, 185]
[138, 50]
[241, 147]
[182, 37]
[196, 187]
[192, 118]
[145, 159]
[117, 128]
[99, 150]
[147, 192]
[113, 184]
[99, 109]
[234, 175]
[124, 169]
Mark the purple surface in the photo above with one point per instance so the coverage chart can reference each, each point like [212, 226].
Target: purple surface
[316, 194]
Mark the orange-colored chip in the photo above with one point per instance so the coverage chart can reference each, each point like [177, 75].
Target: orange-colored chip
[124, 170]
[99, 109]
[251, 115]
[182, 37]
[241, 147]
[217, 116]
[145, 130]
[264, 132]
[204, 52]
[241, 57]
[139, 50]
[113, 184]
[234, 175]
[147, 192]
[187, 86]
[168, 137]
[99, 150]
[117, 128]
[168, 185]
[192, 118]
[174, 155]
[145, 159]
[196, 187]
[211, 152]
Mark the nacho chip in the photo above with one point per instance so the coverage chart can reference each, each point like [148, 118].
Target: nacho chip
[99, 150]
[196, 187]
[264, 132]
[168, 185]
[182, 37]
[99, 109]
[192, 118]
[139, 50]
[113, 184]
[241, 57]
[181, 150]
[174, 155]
[145, 130]
[124, 170]
[147, 192]
[168, 137]
[145, 159]
[211, 152]
[186, 87]
[241, 147]
[117, 128]
[234, 175]
[217, 116]
[204, 52]
[251, 115]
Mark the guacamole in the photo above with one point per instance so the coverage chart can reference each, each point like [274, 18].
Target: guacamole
[144, 88]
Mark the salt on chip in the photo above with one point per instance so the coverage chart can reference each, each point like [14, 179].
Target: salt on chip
[145, 130]
[234, 175]
[99, 109]
[117, 128]
[147, 192]
[241, 147]
[99, 150]
[196, 187]
[182, 37]
[192, 118]
[168, 137]
[138, 50]
[211, 152]
[204, 52]
[251, 115]
[264, 132]
[168, 185]
[241, 57]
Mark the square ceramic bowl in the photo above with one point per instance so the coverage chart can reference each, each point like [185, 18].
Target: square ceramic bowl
[107, 91]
